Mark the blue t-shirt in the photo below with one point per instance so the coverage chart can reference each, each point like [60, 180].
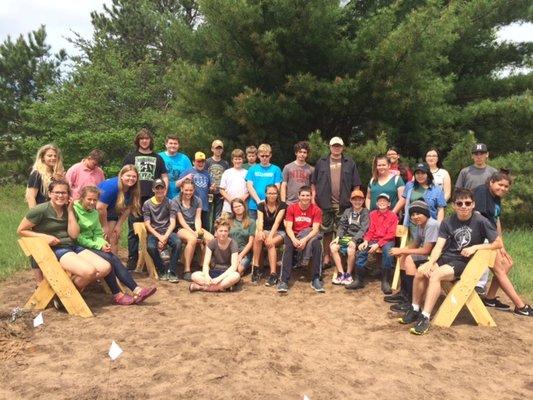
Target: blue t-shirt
[261, 177]
[175, 164]
[109, 192]
[202, 183]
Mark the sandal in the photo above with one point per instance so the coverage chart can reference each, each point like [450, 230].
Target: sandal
[124, 300]
[143, 294]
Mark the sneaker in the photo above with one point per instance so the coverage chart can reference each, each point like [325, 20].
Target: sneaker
[400, 307]
[256, 276]
[525, 311]
[317, 285]
[283, 287]
[58, 305]
[132, 264]
[394, 298]
[497, 304]
[338, 279]
[357, 283]
[410, 316]
[272, 280]
[163, 276]
[124, 300]
[172, 277]
[187, 276]
[347, 279]
[143, 294]
[480, 290]
[421, 326]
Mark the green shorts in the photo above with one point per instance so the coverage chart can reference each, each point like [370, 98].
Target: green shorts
[330, 220]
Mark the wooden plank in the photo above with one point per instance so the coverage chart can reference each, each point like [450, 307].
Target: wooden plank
[402, 233]
[24, 248]
[56, 277]
[42, 296]
[144, 258]
[479, 311]
[463, 290]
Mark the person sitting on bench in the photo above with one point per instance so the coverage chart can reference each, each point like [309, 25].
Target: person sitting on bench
[460, 236]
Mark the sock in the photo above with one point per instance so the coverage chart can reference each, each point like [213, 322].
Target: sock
[426, 314]
[409, 287]
[402, 281]
[416, 307]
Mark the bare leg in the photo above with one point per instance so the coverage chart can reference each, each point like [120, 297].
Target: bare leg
[102, 266]
[501, 279]
[407, 264]
[188, 252]
[82, 272]
[442, 273]
[334, 251]
[420, 284]
[350, 262]
[113, 239]
[273, 254]
[257, 249]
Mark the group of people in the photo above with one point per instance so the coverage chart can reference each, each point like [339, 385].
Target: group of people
[231, 214]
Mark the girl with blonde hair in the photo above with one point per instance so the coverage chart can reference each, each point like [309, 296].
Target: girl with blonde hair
[48, 166]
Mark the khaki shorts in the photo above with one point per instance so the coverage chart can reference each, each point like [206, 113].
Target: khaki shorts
[330, 220]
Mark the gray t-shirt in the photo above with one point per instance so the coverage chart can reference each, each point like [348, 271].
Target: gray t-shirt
[471, 177]
[189, 213]
[296, 176]
[158, 214]
[221, 258]
[428, 234]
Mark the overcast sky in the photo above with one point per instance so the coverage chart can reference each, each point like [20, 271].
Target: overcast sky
[61, 17]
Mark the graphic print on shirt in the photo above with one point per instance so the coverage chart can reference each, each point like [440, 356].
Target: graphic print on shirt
[200, 181]
[146, 167]
[216, 171]
[462, 237]
[303, 218]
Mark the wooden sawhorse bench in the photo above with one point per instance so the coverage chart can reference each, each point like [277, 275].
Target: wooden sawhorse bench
[56, 280]
[144, 257]
[462, 293]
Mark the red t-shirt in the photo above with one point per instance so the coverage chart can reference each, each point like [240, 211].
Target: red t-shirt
[302, 219]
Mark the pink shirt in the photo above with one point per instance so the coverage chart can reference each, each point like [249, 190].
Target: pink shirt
[78, 176]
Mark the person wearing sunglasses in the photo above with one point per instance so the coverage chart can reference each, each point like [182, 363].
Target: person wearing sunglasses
[85, 173]
[488, 203]
[461, 235]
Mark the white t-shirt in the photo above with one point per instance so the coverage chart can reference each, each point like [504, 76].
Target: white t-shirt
[438, 177]
[234, 183]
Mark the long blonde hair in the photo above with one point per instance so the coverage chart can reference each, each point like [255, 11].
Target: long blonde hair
[135, 192]
[44, 170]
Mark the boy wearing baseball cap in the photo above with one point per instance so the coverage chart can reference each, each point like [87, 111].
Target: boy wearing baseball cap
[380, 235]
[352, 226]
[216, 166]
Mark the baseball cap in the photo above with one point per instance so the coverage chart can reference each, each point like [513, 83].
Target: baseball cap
[383, 195]
[336, 140]
[357, 193]
[423, 167]
[199, 156]
[217, 143]
[159, 183]
[479, 148]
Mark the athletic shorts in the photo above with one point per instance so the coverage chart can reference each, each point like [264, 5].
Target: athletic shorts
[419, 259]
[457, 265]
[60, 251]
[343, 244]
[330, 219]
[215, 273]
[278, 232]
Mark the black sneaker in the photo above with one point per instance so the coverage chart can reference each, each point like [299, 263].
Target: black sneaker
[187, 276]
[480, 290]
[525, 311]
[256, 276]
[172, 277]
[497, 304]
[400, 307]
[163, 276]
[132, 264]
[395, 298]
[283, 287]
[272, 280]
[410, 316]
[421, 326]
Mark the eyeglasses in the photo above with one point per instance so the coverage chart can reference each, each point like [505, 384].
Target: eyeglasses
[60, 193]
[463, 203]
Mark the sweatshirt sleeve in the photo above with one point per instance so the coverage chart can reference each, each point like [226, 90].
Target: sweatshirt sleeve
[390, 234]
[97, 243]
[364, 221]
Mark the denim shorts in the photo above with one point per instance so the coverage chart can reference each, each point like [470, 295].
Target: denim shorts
[60, 251]
[215, 273]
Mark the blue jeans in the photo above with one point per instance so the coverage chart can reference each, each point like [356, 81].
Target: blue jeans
[174, 243]
[252, 214]
[118, 270]
[386, 259]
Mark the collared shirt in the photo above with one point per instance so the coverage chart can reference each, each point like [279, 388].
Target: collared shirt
[433, 196]
[78, 176]
[382, 227]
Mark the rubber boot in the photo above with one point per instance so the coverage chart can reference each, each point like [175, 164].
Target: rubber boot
[385, 279]
[358, 281]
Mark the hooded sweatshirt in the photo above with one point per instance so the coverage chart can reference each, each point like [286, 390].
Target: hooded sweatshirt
[91, 232]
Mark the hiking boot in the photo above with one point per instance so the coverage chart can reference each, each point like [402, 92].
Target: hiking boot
[400, 307]
[497, 304]
[187, 276]
[385, 285]
[318, 286]
[421, 326]
[395, 298]
[525, 311]
[410, 316]
[172, 277]
[163, 276]
[283, 287]
[272, 280]
[357, 283]
[256, 275]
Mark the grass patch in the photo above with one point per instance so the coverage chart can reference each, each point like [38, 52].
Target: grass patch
[517, 243]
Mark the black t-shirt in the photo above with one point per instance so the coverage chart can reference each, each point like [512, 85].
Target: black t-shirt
[460, 234]
[268, 218]
[488, 205]
[35, 182]
[216, 169]
[150, 166]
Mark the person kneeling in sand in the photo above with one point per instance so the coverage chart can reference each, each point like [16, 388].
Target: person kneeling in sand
[352, 226]
[460, 236]
[302, 225]
[219, 271]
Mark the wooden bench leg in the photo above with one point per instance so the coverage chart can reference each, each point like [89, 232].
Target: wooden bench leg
[479, 311]
[42, 296]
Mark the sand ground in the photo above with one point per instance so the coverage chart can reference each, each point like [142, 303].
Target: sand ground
[256, 344]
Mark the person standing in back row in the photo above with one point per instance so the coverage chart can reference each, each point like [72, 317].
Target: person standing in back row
[296, 174]
[471, 177]
[333, 180]
[216, 166]
[175, 163]
[85, 173]
[150, 166]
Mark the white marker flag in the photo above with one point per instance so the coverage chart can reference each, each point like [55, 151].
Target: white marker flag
[305, 397]
[38, 320]
[114, 351]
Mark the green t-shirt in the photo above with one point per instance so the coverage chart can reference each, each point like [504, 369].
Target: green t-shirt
[417, 193]
[241, 235]
[46, 221]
